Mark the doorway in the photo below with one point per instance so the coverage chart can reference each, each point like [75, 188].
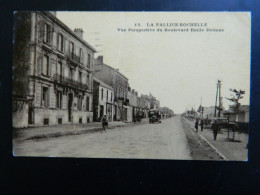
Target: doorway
[70, 100]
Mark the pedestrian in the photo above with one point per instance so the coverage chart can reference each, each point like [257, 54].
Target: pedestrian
[201, 124]
[216, 128]
[196, 125]
[104, 122]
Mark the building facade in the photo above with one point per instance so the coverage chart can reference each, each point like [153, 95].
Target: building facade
[154, 103]
[103, 103]
[119, 82]
[58, 71]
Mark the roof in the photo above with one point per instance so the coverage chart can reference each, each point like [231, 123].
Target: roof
[103, 84]
[244, 108]
[69, 30]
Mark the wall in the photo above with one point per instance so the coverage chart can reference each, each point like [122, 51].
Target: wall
[20, 115]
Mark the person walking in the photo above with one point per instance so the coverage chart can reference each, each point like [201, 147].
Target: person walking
[104, 122]
[216, 128]
[201, 124]
[197, 125]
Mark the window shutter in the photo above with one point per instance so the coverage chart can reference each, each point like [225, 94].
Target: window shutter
[48, 98]
[41, 31]
[39, 65]
[49, 66]
[58, 40]
[51, 35]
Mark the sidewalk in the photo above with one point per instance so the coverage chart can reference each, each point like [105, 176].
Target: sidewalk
[66, 129]
[228, 149]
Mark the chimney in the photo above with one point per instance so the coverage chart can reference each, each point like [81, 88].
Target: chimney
[79, 32]
[100, 60]
[117, 69]
[133, 91]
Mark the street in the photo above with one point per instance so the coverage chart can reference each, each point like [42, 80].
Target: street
[148, 141]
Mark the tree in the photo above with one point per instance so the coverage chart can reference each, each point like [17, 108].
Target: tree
[235, 97]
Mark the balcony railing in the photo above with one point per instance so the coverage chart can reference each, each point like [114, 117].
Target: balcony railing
[73, 58]
[70, 82]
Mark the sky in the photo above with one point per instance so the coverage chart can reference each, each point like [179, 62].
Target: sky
[180, 69]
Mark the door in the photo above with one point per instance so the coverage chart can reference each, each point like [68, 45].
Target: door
[101, 111]
[70, 100]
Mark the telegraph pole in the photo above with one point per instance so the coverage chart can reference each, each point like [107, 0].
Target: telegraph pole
[215, 114]
[219, 102]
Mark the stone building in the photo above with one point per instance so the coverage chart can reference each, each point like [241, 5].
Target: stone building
[119, 82]
[56, 65]
[154, 103]
[103, 100]
[132, 111]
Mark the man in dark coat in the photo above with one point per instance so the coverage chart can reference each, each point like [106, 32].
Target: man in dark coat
[104, 122]
[216, 128]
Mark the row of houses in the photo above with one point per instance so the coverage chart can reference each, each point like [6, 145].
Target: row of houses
[57, 80]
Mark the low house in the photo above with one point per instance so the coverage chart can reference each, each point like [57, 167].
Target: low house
[241, 116]
[103, 103]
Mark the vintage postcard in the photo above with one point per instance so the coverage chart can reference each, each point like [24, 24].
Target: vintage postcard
[131, 85]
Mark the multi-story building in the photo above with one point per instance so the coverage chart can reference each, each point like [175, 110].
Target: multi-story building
[132, 111]
[55, 67]
[119, 83]
[154, 103]
[103, 100]
[143, 106]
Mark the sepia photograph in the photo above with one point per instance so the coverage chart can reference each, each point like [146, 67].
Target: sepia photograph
[131, 85]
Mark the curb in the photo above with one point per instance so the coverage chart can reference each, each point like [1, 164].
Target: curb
[213, 147]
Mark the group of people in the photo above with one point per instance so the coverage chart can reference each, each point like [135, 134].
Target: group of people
[197, 125]
[215, 127]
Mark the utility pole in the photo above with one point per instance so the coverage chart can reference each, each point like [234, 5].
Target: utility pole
[219, 102]
[215, 113]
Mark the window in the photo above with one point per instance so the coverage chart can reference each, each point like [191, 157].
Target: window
[59, 68]
[80, 102]
[47, 33]
[60, 42]
[111, 97]
[87, 104]
[71, 73]
[45, 65]
[72, 49]
[80, 55]
[88, 65]
[45, 97]
[107, 95]
[102, 94]
[59, 99]
[88, 78]
[80, 76]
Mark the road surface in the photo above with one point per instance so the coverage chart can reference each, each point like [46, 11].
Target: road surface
[148, 141]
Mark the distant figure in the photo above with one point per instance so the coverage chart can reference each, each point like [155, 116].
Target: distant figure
[201, 124]
[104, 122]
[215, 128]
[197, 125]
[139, 118]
